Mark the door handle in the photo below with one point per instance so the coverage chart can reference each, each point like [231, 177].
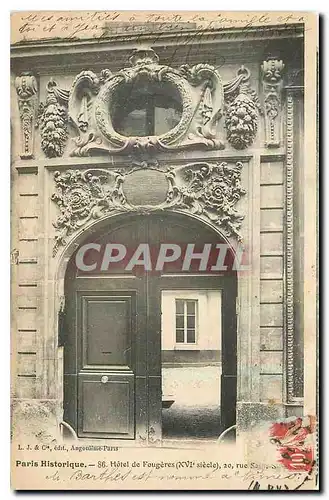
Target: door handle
[104, 379]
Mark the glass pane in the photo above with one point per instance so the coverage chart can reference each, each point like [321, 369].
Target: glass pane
[165, 119]
[190, 307]
[179, 335]
[179, 306]
[134, 123]
[191, 336]
[179, 321]
[191, 322]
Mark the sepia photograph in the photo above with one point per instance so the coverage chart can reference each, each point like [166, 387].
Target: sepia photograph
[164, 250]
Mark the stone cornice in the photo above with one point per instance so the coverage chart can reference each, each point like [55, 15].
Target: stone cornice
[80, 50]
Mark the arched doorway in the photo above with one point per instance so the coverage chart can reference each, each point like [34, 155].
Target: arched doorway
[114, 335]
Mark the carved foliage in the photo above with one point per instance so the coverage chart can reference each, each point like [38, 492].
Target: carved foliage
[53, 122]
[241, 117]
[272, 71]
[26, 89]
[82, 196]
[212, 191]
[208, 190]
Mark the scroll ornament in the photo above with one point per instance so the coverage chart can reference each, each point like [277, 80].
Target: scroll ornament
[26, 89]
[53, 121]
[208, 190]
[92, 98]
[196, 88]
[202, 99]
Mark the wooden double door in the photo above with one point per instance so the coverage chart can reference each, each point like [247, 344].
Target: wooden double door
[112, 332]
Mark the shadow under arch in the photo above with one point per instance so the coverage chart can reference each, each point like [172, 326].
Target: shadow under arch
[230, 341]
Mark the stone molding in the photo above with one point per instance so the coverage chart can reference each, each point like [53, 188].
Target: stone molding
[223, 36]
[289, 240]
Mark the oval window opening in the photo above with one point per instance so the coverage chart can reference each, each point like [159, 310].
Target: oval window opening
[146, 110]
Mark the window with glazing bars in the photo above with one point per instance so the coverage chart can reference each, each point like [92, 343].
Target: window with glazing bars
[186, 319]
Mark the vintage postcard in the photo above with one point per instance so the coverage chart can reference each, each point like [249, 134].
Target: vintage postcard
[163, 250]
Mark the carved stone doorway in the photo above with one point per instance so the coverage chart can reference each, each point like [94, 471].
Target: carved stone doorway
[112, 341]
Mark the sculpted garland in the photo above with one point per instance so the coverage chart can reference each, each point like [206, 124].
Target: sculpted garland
[52, 122]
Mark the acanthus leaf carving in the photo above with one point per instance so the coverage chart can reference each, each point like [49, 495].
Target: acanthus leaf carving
[27, 90]
[272, 73]
[208, 190]
[53, 120]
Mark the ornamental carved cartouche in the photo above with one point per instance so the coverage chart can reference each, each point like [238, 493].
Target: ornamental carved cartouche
[209, 190]
[27, 95]
[199, 89]
[87, 108]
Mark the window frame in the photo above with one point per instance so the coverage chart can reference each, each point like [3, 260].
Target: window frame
[148, 103]
[185, 315]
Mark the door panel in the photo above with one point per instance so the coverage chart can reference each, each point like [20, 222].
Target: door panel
[106, 405]
[229, 358]
[228, 400]
[106, 324]
[105, 337]
[106, 398]
[71, 400]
